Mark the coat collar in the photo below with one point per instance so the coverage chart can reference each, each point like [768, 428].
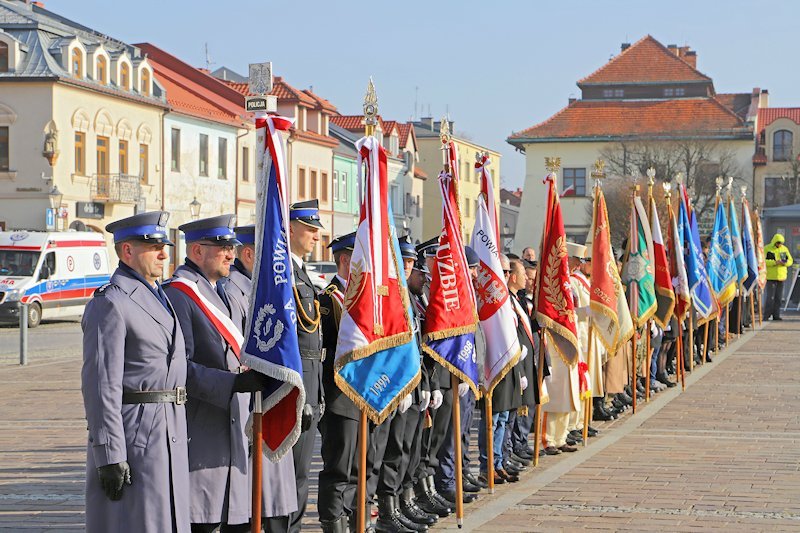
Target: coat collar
[144, 298]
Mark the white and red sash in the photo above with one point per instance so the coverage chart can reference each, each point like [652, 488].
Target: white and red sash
[221, 322]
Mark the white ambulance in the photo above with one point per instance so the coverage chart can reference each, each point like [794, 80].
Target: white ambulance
[54, 273]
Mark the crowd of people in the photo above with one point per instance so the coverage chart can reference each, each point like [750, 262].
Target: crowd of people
[168, 402]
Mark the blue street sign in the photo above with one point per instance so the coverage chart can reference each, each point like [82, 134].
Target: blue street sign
[50, 219]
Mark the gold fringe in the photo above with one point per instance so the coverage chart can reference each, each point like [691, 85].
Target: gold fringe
[547, 324]
[376, 417]
[373, 347]
[607, 312]
[451, 368]
[662, 323]
[499, 377]
[639, 322]
[447, 333]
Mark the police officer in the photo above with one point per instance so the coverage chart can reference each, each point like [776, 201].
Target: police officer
[219, 391]
[304, 226]
[133, 384]
[397, 457]
[339, 424]
[278, 490]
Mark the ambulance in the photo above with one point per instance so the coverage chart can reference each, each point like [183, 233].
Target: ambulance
[54, 273]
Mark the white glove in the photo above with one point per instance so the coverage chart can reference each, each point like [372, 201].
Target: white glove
[405, 403]
[436, 399]
[463, 389]
[523, 382]
[524, 353]
[425, 399]
[582, 313]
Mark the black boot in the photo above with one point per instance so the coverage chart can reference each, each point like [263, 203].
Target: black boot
[412, 511]
[438, 497]
[389, 516]
[427, 502]
[335, 526]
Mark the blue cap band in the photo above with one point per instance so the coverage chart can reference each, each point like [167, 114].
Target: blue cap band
[148, 231]
[214, 234]
[343, 243]
[304, 213]
[246, 238]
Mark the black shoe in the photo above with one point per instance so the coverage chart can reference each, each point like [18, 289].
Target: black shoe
[512, 469]
[571, 442]
[508, 476]
[336, 526]
[521, 460]
[409, 507]
[567, 448]
[438, 497]
[450, 496]
[427, 502]
[602, 415]
[497, 479]
[592, 432]
[475, 480]
[469, 487]
[777, 318]
[389, 517]
[552, 450]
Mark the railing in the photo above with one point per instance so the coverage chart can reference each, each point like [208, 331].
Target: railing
[116, 188]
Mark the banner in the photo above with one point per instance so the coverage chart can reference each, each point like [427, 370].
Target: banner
[451, 317]
[699, 286]
[270, 345]
[377, 358]
[637, 270]
[736, 241]
[722, 271]
[749, 244]
[759, 245]
[677, 267]
[665, 295]
[555, 308]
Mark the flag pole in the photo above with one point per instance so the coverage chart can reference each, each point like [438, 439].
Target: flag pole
[631, 301]
[588, 401]
[651, 180]
[537, 432]
[258, 455]
[370, 122]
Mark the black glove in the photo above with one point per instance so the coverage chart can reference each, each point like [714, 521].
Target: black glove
[113, 477]
[248, 381]
[308, 416]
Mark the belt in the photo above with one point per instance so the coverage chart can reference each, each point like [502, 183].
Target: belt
[177, 396]
[313, 355]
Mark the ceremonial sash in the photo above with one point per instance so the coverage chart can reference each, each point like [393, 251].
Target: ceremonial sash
[524, 319]
[221, 322]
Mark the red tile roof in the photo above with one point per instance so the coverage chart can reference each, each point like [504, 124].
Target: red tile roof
[321, 102]
[388, 126]
[419, 173]
[739, 103]
[406, 130]
[768, 115]
[648, 61]
[603, 119]
[354, 123]
[281, 89]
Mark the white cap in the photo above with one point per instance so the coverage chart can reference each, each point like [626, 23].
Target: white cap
[576, 250]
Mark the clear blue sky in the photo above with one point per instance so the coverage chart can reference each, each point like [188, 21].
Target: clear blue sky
[497, 67]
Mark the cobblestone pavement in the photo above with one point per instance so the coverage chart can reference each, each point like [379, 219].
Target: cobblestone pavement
[723, 454]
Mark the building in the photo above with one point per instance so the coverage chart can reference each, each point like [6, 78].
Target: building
[649, 95]
[309, 151]
[509, 215]
[346, 203]
[430, 160]
[202, 137]
[80, 124]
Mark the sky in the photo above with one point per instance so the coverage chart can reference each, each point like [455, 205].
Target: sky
[493, 67]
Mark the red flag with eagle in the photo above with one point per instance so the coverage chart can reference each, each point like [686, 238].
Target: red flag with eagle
[555, 309]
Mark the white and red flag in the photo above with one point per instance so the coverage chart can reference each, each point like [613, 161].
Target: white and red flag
[665, 295]
[496, 314]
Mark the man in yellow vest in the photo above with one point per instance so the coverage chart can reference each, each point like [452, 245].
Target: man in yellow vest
[778, 261]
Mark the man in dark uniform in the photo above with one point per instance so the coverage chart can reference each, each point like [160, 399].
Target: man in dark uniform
[304, 226]
[402, 437]
[339, 424]
[278, 490]
[219, 392]
[133, 384]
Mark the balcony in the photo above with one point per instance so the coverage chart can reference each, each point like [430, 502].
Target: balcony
[116, 188]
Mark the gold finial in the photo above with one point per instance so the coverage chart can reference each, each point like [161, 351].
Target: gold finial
[729, 186]
[370, 108]
[667, 189]
[679, 178]
[444, 131]
[743, 189]
[651, 176]
[599, 169]
[552, 164]
[720, 184]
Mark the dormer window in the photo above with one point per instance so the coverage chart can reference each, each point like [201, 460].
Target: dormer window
[3, 57]
[77, 62]
[125, 76]
[145, 88]
[613, 93]
[102, 70]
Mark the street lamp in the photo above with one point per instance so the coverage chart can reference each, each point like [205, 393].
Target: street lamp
[506, 234]
[55, 197]
[194, 209]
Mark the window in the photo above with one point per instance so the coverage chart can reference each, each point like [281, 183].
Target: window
[102, 70]
[674, 91]
[245, 163]
[466, 207]
[175, 158]
[301, 183]
[145, 88]
[574, 182]
[3, 57]
[80, 153]
[343, 187]
[312, 185]
[102, 156]
[619, 93]
[613, 93]
[203, 154]
[324, 186]
[222, 159]
[144, 160]
[680, 91]
[326, 240]
[776, 192]
[77, 62]
[782, 145]
[4, 151]
[125, 76]
[335, 185]
[669, 91]
[123, 157]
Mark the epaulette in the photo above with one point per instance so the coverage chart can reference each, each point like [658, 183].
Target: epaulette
[330, 289]
[99, 291]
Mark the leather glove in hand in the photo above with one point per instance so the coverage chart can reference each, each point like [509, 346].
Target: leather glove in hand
[248, 381]
[308, 416]
[113, 477]
[405, 403]
[436, 399]
[463, 389]
[425, 400]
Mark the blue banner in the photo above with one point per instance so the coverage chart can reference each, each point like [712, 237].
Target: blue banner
[736, 242]
[723, 273]
[699, 288]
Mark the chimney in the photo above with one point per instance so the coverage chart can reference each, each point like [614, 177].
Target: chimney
[624, 46]
[673, 48]
[690, 56]
[427, 122]
[571, 100]
[763, 98]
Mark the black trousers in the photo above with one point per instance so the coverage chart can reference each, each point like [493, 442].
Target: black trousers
[397, 457]
[415, 453]
[432, 442]
[339, 452]
[774, 297]
[302, 453]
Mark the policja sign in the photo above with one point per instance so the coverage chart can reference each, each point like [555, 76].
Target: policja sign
[260, 85]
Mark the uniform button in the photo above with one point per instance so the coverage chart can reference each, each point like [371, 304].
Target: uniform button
[174, 439]
[233, 420]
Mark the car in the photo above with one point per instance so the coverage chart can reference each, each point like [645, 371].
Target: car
[323, 272]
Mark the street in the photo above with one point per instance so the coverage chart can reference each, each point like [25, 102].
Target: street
[723, 454]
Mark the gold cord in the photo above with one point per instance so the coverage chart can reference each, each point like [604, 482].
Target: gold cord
[303, 318]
